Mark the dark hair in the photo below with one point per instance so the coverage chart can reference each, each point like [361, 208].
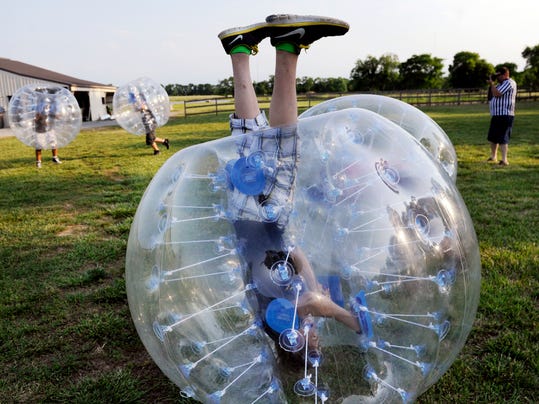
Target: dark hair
[501, 70]
[273, 256]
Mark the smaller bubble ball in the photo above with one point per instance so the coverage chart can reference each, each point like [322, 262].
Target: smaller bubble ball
[44, 117]
[135, 99]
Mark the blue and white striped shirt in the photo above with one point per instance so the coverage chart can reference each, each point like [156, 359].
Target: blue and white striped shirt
[504, 104]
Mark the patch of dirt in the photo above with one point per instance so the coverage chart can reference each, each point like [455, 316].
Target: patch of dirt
[114, 174]
[74, 230]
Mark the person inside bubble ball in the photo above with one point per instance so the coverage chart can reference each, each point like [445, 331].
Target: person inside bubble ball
[150, 125]
[44, 127]
[260, 200]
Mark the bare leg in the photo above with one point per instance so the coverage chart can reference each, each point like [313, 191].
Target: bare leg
[54, 152]
[493, 151]
[245, 100]
[284, 103]
[38, 154]
[503, 149]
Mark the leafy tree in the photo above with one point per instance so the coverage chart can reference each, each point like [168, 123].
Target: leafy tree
[304, 84]
[262, 87]
[469, 70]
[375, 73]
[330, 85]
[225, 87]
[421, 71]
[530, 76]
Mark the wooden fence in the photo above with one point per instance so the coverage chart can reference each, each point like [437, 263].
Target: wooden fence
[424, 98]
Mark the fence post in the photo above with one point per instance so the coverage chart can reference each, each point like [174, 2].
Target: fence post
[185, 109]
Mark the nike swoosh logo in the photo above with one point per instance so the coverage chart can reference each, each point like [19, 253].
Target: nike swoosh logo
[238, 38]
[300, 31]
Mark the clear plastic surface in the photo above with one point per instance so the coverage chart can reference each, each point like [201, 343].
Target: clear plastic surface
[410, 118]
[44, 117]
[389, 243]
[132, 100]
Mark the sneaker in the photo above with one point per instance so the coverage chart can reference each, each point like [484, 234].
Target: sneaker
[38, 164]
[166, 143]
[155, 152]
[249, 36]
[503, 163]
[302, 30]
[56, 160]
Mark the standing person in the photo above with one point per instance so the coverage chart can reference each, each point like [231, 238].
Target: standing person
[502, 111]
[253, 193]
[150, 125]
[43, 126]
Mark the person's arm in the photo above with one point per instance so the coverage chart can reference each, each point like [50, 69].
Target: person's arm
[316, 303]
[304, 269]
[320, 305]
[501, 89]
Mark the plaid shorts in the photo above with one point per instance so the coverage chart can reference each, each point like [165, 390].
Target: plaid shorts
[279, 148]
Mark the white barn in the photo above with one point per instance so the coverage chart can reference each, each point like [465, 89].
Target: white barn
[95, 99]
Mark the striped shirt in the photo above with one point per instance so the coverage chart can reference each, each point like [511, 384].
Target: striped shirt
[504, 104]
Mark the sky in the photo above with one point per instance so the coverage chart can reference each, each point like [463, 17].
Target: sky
[175, 41]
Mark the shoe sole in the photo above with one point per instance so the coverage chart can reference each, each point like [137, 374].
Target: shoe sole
[241, 30]
[284, 20]
[293, 20]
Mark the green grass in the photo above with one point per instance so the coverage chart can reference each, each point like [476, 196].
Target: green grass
[66, 333]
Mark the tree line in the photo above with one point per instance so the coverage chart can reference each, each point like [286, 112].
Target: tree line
[387, 73]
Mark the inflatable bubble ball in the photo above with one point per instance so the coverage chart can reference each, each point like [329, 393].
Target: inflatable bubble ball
[334, 263]
[140, 106]
[410, 118]
[44, 117]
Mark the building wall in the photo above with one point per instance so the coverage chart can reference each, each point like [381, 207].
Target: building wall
[96, 98]
[10, 83]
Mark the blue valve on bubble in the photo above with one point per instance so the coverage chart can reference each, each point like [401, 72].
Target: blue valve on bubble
[247, 174]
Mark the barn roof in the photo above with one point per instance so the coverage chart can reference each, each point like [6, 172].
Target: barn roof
[24, 69]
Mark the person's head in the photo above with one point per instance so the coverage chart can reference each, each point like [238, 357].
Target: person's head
[280, 312]
[502, 74]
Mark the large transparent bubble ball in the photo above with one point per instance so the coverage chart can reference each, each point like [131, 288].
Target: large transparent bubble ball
[44, 117]
[410, 118]
[389, 242]
[137, 97]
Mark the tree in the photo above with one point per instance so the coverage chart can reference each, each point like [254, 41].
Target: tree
[421, 71]
[530, 75]
[330, 85]
[469, 70]
[262, 87]
[304, 84]
[375, 74]
[225, 87]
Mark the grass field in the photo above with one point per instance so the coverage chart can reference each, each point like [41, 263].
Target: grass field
[66, 334]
